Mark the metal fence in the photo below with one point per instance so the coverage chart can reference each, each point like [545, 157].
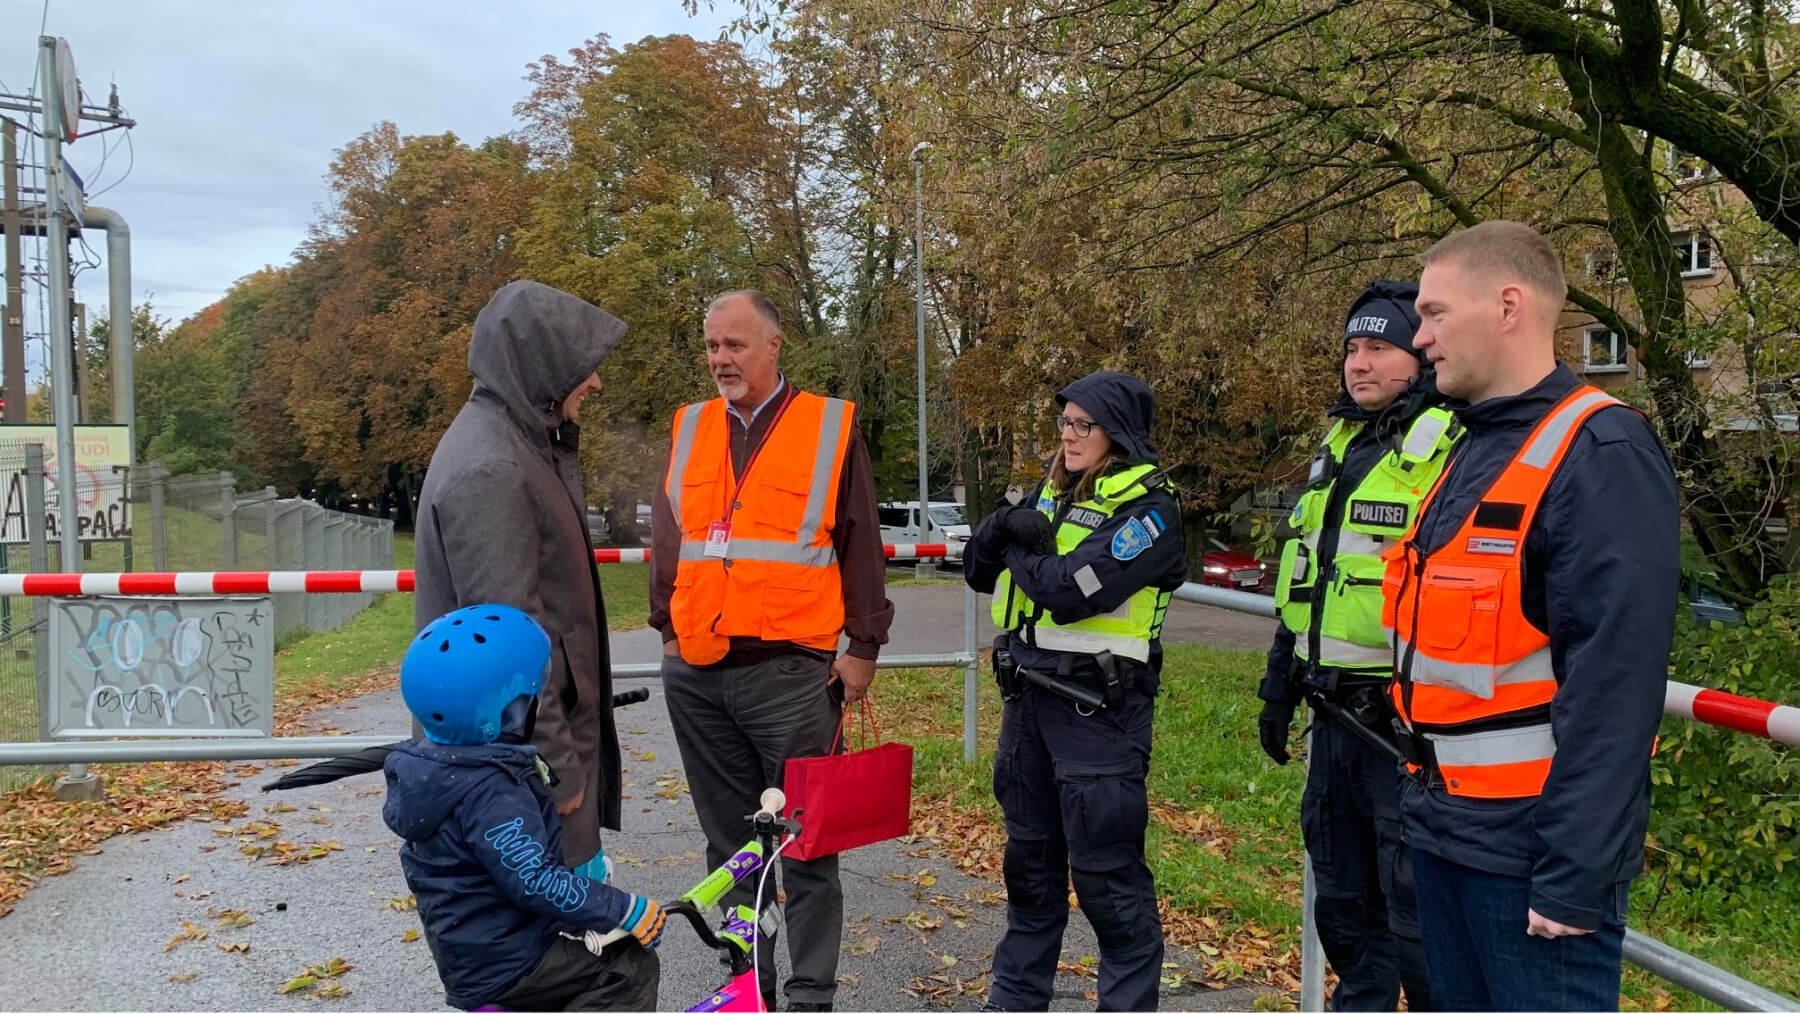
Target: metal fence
[153, 521]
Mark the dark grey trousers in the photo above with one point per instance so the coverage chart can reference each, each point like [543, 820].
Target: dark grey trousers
[736, 727]
[570, 977]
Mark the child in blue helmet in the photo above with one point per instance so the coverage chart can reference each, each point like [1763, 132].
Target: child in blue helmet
[483, 841]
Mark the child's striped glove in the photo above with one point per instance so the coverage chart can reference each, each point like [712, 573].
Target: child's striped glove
[644, 920]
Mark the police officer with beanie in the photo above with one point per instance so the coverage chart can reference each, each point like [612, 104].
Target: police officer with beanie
[1385, 449]
[1081, 575]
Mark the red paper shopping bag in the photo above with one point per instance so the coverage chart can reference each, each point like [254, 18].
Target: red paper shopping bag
[846, 800]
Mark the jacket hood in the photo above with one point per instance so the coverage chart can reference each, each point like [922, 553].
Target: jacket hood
[426, 781]
[532, 345]
[1122, 405]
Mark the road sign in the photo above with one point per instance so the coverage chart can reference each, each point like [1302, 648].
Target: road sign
[72, 195]
[68, 99]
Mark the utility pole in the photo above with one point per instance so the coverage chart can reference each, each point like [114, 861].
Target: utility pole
[924, 568]
[62, 374]
[18, 220]
[12, 335]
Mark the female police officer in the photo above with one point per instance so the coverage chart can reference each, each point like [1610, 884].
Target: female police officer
[1081, 580]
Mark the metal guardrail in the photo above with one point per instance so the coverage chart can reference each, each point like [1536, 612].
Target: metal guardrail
[309, 747]
[1669, 963]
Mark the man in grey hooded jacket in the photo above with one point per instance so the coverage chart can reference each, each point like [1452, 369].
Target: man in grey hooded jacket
[502, 518]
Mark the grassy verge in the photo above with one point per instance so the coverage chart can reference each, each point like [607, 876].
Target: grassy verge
[1225, 838]
[1224, 842]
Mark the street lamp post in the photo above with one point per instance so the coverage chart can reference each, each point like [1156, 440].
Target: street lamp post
[925, 568]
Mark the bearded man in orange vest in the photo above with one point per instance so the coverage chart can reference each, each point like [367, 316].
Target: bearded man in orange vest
[1531, 610]
[765, 550]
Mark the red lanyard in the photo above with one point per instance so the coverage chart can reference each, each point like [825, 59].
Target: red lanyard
[756, 452]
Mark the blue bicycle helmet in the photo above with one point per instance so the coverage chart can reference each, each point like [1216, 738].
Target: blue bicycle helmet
[466, 667]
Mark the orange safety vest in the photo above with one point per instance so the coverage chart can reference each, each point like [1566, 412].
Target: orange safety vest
[776, 575]
[1472, 674]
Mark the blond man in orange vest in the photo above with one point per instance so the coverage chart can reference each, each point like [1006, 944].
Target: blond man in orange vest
[766, 550]
[1531, 610]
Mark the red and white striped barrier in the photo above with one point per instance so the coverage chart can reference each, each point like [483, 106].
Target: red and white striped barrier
[906, 551]
[269, 582]
[1779, 722]
[621, 556]
[920, 551]
[209, 583]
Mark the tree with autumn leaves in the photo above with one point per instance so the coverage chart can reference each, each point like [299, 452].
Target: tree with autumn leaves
[1189, 192]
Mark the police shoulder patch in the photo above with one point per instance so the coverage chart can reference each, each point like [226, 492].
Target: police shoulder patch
[1130, 541]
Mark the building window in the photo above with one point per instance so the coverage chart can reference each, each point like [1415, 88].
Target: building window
[1697, 360]
[1604, 268]
[1602, 351]
[1686, 166]
[1693, 254]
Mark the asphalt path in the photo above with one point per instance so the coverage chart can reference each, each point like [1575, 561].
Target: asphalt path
[109, 934]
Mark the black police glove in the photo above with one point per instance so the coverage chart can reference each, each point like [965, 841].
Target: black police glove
[1273, 728]
[1031, 529]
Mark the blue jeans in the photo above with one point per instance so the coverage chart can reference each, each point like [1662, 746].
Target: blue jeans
[1479, 956]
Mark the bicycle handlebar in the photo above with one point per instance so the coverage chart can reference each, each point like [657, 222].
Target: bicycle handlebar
[768, 827]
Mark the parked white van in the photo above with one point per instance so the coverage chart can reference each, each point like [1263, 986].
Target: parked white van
[949, 524]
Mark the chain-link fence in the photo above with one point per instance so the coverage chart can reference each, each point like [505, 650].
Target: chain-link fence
[154, 522]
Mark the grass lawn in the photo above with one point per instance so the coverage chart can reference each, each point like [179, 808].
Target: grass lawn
[1225, 839]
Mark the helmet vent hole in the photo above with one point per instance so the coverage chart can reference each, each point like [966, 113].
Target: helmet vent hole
[456, 623]
[436, 717]
[480, 640]
[444, 646]
[495, 619]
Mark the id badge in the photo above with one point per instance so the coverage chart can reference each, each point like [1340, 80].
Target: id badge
[718, 539]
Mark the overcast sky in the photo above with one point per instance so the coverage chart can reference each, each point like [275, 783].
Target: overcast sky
[240, 105]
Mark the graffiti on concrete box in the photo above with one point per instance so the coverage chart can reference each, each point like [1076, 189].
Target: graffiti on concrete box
[162, 666]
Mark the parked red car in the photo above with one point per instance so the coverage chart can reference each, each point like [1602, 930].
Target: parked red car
[1224, 567]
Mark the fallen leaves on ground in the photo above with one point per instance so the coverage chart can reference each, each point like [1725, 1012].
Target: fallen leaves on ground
[297, 705]
[230, 917]
[922, 923]
[410, 937]
[410, 903]
[325, 972]
[864, 947]
[188, 932]
[287, 853]
[40, 835]
[1202, 827]
[183, 977]
[974, 843]
[945, 990]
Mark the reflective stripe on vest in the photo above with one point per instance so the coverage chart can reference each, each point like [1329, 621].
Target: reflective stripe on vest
[1127, 631]
[1349, 654]
[1468, 656]
[777, 578]
[1483, 764]
[1087, 642]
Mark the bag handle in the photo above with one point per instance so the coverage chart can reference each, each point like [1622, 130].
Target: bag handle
[865, 728]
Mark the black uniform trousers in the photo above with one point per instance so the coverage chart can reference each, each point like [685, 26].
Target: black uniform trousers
[1071, 786]
[1363, 906]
